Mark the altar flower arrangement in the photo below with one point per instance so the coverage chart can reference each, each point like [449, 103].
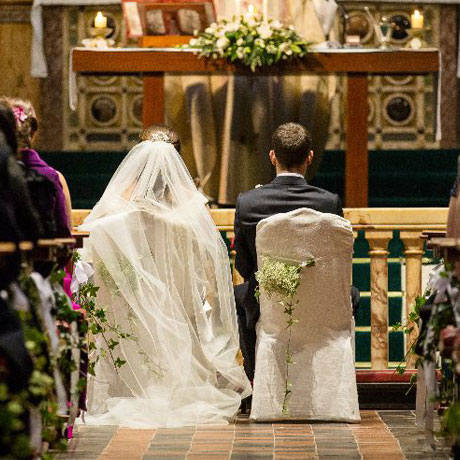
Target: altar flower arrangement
[251, 41]
[282, 279]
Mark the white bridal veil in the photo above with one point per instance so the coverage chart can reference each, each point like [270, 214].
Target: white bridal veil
[164, 277]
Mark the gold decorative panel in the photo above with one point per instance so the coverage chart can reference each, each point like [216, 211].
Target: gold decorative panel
[109, 113]
[401, 108]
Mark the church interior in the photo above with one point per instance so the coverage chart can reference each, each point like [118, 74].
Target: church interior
[379, 92]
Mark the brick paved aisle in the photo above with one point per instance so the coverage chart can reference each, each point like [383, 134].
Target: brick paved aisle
[383, 435]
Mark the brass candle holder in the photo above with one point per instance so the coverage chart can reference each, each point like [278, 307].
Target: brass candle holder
[418, 39]
[99, 38]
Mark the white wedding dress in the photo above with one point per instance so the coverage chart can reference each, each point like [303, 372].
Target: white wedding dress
[164, 277]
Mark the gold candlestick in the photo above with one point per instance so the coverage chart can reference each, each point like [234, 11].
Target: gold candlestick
[99, 38]
[418, 39]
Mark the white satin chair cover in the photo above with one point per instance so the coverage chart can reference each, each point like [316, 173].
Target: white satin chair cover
[323, 376]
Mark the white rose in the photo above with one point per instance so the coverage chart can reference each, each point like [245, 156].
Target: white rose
[240, 53]
[265, 31]
[276, 25]
[231, 27]
[222, 43]
[194, 42]
[212, 28]
[240, 42]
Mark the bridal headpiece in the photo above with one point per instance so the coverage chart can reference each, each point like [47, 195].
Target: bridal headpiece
[160, 136]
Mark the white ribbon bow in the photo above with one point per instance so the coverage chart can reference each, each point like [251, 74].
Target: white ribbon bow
[81, 274]
[442, 285]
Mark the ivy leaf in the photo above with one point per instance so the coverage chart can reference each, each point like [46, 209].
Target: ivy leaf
[119, 362]
[91, 367]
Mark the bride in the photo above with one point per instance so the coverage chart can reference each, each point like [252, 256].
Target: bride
[164, 277]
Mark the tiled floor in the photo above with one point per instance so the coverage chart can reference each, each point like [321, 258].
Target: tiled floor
[382, 435]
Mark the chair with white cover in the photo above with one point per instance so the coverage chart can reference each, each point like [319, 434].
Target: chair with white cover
[323, 379]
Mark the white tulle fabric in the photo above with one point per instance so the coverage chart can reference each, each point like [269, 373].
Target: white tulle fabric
[323, 376]
[164, 276]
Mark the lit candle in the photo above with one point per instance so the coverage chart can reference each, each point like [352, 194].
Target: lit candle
[250, 10]
[100, 21]
[238, 8]
[265, 9]
[417, 20]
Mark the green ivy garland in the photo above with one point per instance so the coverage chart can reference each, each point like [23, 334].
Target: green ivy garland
[41, 392]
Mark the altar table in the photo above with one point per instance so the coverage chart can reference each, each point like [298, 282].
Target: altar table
[357, 64]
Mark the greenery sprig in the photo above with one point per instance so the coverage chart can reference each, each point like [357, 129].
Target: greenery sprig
[282, 279]
[99, 325]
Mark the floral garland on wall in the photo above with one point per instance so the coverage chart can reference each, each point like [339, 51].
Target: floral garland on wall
[250, 41]
[282, 279]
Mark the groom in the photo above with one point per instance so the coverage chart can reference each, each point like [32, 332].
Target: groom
[291, 155]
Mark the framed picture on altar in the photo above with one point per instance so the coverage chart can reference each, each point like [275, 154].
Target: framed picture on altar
[165, 22]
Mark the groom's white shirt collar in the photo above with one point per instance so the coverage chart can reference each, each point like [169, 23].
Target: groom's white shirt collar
[290, 174]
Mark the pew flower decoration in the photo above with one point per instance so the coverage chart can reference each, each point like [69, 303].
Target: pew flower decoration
[250, 41]
[437, 313]
[282, 279]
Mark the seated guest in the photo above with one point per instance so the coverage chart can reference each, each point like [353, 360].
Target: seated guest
[27, 127]
[13, 188]
[291, 155]
[17, 215]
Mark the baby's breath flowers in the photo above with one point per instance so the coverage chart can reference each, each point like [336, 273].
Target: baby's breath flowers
[251, 41]
[283, 279]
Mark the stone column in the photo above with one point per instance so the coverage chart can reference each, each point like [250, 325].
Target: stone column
[414, 252]
[378, 242]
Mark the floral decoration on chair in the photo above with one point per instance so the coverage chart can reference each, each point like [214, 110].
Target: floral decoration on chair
[282, 279]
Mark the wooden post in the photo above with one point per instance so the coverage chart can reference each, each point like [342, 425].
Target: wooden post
[378, 242]
[414, 252]
[356, 158]
[153, 106]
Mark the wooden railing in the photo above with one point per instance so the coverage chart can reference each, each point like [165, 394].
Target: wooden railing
[378, 225]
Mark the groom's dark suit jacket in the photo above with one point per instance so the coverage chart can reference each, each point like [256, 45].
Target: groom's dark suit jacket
[283, 194]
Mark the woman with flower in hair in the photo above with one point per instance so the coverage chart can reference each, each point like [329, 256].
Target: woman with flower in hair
[27, 127]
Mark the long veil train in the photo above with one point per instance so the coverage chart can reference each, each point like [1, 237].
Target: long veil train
[164, 276]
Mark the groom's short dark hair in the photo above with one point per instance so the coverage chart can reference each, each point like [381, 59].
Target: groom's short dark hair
[292, 144]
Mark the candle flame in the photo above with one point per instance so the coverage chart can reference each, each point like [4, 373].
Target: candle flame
[251, 9]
